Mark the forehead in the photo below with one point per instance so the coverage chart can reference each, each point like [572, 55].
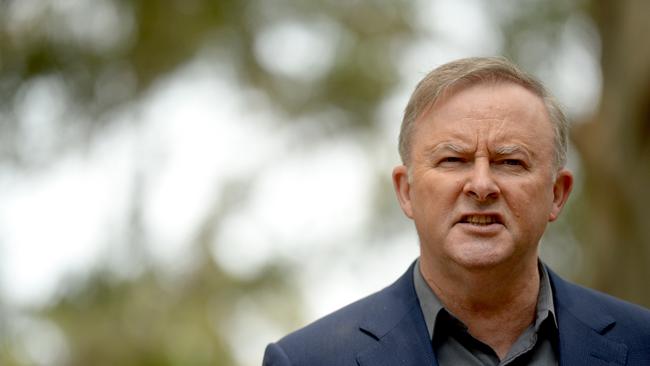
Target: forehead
[496, 111]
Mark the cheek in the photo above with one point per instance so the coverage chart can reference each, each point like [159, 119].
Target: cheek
[532, 203]
[435, 198]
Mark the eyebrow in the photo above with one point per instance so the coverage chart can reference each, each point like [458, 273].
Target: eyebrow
[500, 150]
[447, 146]
[509, 149]
[513, 149]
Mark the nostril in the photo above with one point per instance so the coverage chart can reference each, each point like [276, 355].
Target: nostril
[487, 193]
[481, 188]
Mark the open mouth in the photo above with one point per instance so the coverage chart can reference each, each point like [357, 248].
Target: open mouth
[481, 219]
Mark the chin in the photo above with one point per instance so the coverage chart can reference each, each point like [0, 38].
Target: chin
[480, 256]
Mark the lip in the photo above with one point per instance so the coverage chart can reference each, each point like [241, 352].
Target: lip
[486, 229]
[480, 230]
[496, 215]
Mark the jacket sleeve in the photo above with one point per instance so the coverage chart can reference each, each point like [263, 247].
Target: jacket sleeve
[274, 355]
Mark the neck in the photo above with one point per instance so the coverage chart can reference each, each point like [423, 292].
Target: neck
[496, 304]
[490, 288]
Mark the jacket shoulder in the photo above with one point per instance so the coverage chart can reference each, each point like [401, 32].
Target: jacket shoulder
[614, 318]
[624, 312]
[337, 338]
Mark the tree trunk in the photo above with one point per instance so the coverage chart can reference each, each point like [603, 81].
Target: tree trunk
[615, 148]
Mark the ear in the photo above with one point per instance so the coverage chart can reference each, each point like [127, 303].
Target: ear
[403, 189]
[561, 190]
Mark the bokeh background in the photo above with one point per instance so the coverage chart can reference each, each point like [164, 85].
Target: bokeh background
[184, 181]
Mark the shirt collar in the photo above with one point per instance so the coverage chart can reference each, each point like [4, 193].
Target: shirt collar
[431, 305]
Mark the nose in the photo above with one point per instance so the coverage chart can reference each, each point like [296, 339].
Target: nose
[480, 184]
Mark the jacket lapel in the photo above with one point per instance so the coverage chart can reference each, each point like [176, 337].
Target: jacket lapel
[404, 345]
[398, 326]
[582, 328]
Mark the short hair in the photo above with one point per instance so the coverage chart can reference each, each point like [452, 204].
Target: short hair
[474, 70]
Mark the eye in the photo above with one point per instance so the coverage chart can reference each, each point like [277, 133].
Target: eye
[513, 162]
[451, 159]
[451, 162]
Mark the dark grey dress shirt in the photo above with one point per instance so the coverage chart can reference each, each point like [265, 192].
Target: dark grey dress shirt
[453, 345]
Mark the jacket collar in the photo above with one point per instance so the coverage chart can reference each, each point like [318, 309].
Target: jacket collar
[396, 322]
[583, 325]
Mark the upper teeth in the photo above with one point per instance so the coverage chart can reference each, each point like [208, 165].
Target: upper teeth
[481, 219]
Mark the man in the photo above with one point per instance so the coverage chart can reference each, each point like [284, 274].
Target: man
[483, 147]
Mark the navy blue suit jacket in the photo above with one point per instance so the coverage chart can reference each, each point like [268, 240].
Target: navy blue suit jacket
[388, 328]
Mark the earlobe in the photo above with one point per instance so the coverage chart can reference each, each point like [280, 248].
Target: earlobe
[403, 189]
[561, 190]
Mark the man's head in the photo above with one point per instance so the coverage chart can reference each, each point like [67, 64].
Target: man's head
[483, 146]
[468, 71]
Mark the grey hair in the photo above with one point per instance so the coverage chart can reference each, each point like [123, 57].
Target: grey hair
[469, 71]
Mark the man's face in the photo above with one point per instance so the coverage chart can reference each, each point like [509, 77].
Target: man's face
[483, 182]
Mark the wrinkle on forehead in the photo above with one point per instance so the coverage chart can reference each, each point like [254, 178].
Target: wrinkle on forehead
[494, 105]
[490, 120]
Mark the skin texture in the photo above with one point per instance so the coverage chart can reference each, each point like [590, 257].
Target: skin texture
[485, 150]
